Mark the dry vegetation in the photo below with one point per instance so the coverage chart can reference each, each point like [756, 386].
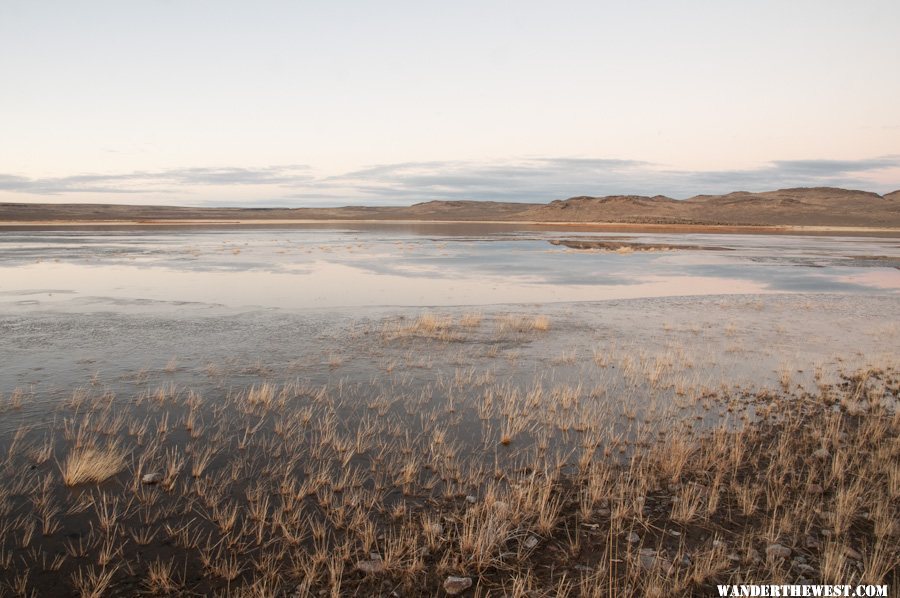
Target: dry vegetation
[91, 464]
[527, 485]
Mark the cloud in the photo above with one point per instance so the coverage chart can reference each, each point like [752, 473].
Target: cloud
[528, 180]
[167, 181]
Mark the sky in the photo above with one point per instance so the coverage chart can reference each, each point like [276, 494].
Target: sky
[305, 103]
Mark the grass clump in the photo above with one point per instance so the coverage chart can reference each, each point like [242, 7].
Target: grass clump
[91, 464]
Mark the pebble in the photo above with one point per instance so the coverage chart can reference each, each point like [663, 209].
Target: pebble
[455, 585]
[633, 538]
[371, 566]
[531, 542]
[471, 499]
[152, 478]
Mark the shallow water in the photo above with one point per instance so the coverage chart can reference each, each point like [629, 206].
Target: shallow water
[303, 268]
[81, 306]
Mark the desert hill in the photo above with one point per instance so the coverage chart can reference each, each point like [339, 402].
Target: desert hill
[819, 206]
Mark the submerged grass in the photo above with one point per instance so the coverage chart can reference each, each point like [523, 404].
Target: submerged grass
[523, 483]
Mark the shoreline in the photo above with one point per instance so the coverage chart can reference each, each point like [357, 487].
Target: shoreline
[598, 226]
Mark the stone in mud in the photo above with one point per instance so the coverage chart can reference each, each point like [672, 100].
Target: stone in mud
[455, 585]
[152, 478]
[371, 566]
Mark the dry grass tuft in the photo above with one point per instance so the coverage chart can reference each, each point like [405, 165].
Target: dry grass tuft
[471, 320]
[92, 464]
[512, 323]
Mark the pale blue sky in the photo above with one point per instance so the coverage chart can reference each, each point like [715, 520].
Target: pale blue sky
[309, 103]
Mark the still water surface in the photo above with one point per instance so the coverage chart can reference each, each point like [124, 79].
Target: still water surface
[409, 265]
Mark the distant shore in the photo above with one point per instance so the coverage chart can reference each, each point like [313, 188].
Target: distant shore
[587, 226]
[822, 210]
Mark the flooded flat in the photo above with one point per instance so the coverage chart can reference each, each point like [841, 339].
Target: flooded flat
[367, 411]
[298, 268]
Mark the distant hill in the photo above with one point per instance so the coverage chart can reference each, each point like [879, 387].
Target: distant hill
[819, 206]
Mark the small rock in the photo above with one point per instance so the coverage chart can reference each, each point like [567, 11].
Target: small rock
[152, 478]
[603, 512]
[531, 542]
[455, 585]
[806, 568]
[633, 538]
[674, 533]
[777, 551]
[753, 555]
[718, 544]
[733, 556]
[471, 499]
[435, 529]
[371, 566]
[811, 542]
